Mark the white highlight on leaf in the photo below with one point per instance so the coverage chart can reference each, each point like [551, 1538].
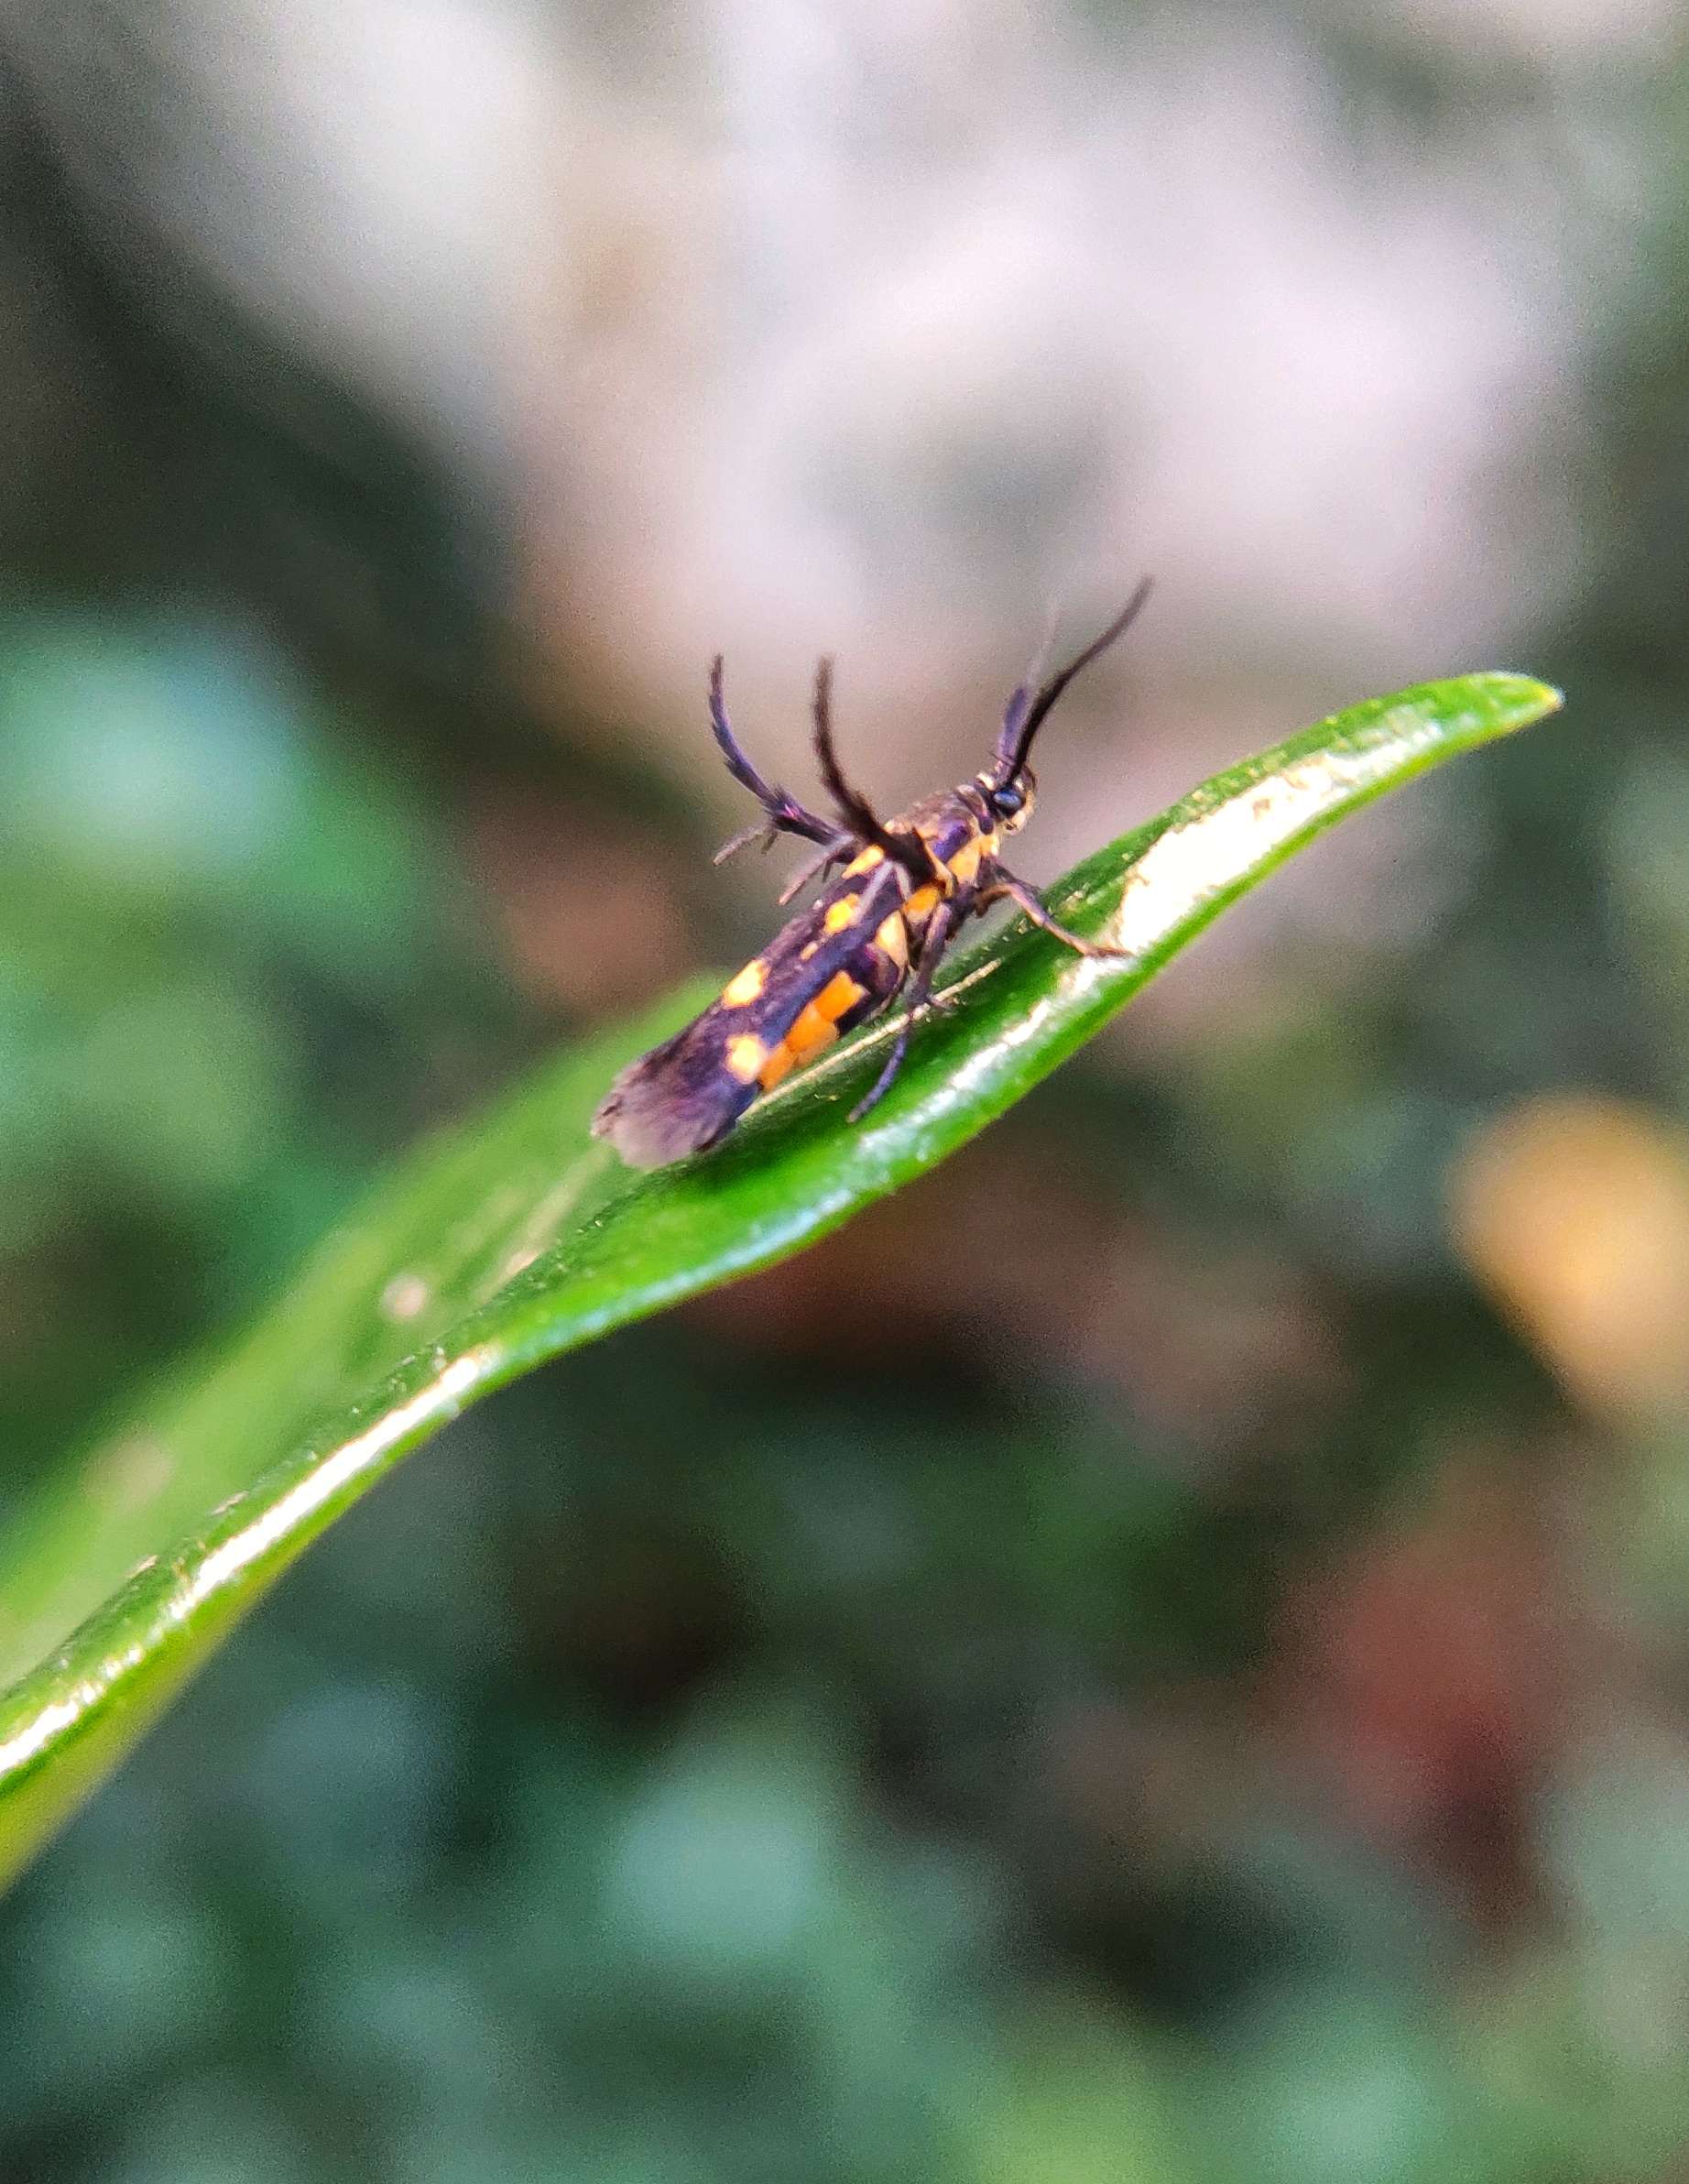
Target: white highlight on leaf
[247, 1546]
[40, 1732]
[1188, 865]
[321, 1485]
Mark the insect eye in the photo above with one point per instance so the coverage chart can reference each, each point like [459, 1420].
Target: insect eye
[1009, 800]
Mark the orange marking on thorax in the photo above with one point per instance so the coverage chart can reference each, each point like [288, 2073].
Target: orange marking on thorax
[966, 862]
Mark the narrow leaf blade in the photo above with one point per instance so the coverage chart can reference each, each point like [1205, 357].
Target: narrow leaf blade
[520, 1238]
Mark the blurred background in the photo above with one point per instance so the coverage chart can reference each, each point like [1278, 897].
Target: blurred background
[1158, 1656]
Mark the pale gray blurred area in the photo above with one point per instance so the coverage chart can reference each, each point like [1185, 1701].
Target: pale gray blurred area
[889, 327]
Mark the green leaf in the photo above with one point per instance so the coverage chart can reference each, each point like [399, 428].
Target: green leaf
[519, 1237]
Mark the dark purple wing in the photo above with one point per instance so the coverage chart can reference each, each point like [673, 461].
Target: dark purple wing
[687, 1094]
[677, 1099]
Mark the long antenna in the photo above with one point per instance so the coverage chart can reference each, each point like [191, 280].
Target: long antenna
[1011, 759]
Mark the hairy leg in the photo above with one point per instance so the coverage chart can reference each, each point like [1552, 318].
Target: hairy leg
[998, 883]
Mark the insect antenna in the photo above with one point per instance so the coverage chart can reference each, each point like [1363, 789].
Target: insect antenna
[1020, 697]
[785, 814]
[853, 808]
[1023, 719]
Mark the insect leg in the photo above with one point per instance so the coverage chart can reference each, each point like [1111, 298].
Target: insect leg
[786, 815]
[919, 992]
[853, 808]
[998, 883]
[840, 845]
[762, 832]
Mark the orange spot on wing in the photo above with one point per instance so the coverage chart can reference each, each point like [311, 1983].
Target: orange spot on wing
[873, 854]
[841, 913]
[747, 987]
[746, 1058]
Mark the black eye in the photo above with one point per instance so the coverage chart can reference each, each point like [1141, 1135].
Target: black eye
[1008, 800]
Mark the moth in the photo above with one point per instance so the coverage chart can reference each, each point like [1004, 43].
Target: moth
[897, 892]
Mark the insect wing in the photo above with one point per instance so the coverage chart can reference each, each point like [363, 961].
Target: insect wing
[822, 974]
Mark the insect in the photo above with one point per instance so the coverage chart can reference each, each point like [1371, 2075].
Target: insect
[899, 891]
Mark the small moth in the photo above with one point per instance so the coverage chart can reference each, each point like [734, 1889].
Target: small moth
[897, 893]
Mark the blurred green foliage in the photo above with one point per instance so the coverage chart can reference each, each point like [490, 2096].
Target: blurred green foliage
[233, 954]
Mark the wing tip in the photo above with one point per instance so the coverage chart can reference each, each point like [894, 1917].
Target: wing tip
[651, 1125]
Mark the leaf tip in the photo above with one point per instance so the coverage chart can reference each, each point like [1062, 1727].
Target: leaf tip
[1522, 700]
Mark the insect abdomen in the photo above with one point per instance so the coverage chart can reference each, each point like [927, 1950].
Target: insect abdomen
[850, 997]
[824, 973]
